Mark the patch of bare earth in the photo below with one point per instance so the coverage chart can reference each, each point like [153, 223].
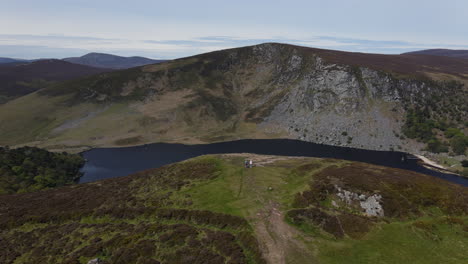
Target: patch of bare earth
[280, 242]
[78, 121]
[261, 160]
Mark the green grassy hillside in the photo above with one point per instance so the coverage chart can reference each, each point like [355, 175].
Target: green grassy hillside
[21, 78]
[212, 210]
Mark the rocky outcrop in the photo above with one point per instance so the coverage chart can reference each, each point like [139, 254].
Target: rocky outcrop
[369, 204]
[372, 205]
[332, 106]
[341, 104]
[94, 261]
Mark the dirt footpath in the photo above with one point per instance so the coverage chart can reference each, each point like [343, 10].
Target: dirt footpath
[280, 242]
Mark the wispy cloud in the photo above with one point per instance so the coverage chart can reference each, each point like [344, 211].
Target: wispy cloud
[39, 46]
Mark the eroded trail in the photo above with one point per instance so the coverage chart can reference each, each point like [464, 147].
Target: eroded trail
[280, 242]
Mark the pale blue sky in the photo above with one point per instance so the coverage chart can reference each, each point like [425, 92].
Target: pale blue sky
[170, 29]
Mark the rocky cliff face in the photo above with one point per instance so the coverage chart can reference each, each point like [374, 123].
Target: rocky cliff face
[340, 105]
[318, 101]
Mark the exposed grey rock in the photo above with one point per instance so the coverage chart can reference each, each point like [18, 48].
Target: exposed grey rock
[330, 99]
[339, 105]
[311, 99]
[94, 261]
[362, 197]
[369, 204]
[347, 196]
[372, 205]
[334, 204]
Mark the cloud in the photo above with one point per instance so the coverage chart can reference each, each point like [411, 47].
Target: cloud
[59, 46]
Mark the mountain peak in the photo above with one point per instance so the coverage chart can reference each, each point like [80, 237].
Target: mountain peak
[98, 54]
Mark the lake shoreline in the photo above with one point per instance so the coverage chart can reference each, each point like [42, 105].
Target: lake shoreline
[114, 162]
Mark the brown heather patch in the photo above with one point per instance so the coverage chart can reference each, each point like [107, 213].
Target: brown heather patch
[111, 219]
[404, 193]
[336, 223]
[18, 80]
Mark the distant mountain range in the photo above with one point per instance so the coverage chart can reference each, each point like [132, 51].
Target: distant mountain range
[102, 60]
[18, 78]
[97, 60]
[463, 54]
[10, 60]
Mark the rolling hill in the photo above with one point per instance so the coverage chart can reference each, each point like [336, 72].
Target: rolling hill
[270, 90]
[109, 61]
[18, 79]
[211, 210]
[462, 54]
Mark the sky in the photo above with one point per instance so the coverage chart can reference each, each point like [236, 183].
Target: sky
[178, 28]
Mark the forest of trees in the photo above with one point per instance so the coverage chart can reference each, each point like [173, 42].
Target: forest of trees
[420, 126]
[29, 169]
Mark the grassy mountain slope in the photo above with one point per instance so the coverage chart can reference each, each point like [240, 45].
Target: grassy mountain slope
[23, 78]
[268, 90]
[462, 54]
[109, 61]
[212, 210]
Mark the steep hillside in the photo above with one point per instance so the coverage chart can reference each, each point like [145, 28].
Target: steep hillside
[109, 61]
[20, 79]
[462, 54]
[213, 210]
[270, 90]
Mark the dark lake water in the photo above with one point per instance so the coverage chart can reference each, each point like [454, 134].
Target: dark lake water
[105, 163]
